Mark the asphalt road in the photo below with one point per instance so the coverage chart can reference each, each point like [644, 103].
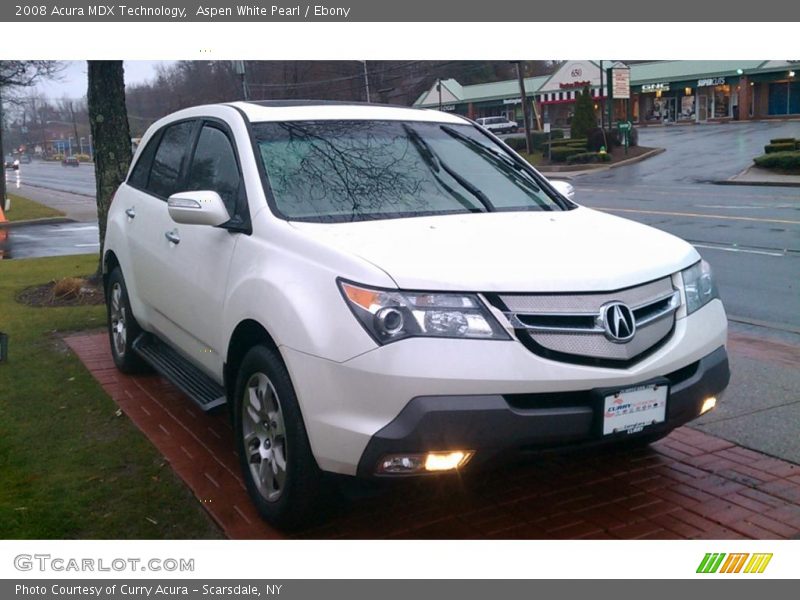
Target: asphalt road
[749, 234]
[54, 176]
[31, 241]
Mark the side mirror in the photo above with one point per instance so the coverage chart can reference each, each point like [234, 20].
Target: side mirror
[565, 188]
[197, 208]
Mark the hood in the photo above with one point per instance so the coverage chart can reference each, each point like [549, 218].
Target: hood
[569, 251]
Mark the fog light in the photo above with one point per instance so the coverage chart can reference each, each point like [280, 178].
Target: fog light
[708, 404]
[409, 464]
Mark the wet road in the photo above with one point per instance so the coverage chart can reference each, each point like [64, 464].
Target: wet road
[749, 234]
[54, 176]
[32, 241]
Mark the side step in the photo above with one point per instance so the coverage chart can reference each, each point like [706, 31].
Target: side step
[206, 392]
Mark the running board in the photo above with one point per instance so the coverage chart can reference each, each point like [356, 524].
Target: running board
[206, 392]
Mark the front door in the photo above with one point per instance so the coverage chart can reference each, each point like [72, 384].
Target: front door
[702, 107]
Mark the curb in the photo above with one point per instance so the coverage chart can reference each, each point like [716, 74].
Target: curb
[43, 221]
[570, 174]
[756, 182]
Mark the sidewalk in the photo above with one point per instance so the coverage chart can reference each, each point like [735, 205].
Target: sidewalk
[76, 207]
[691, 485]
[758, 176]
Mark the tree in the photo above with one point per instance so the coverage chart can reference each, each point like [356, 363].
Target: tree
[16, 74]
[108, 120]
[584, 119]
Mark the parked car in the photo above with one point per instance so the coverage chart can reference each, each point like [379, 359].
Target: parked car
[385, 292]
[11, 163]
[498, 124]
[70, 161]
[25, 159]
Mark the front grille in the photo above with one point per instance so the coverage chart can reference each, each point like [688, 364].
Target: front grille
[572, 328]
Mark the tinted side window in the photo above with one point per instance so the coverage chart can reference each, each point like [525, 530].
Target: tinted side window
[214, 167]
[141, 170]
[169, 159]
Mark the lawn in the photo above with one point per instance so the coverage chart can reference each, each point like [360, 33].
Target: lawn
[23, 209]
[70, 467]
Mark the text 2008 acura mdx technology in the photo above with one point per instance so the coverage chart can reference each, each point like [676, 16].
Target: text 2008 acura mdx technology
[384, 292]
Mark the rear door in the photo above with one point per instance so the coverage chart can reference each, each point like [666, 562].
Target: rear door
[156, 175]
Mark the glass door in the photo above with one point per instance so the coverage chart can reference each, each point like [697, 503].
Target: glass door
[702, 107]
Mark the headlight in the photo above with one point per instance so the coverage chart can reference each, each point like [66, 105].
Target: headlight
[698, 283]
[391, 315]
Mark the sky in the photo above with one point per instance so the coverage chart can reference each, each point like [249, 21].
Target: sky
[72, 80]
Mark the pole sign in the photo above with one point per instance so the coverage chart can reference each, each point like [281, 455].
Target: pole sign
[621, 80]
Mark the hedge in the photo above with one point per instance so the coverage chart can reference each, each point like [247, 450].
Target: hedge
[589, 157]
[784, 161]
[562, 154]
[538, 138]
[781, 147]
[781, 140]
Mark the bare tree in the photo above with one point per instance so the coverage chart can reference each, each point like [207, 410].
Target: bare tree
[15, 74]
[108, 119]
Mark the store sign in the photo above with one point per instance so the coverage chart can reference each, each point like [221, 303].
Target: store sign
[571, 85]
[621, 78]
[655, 87]
[710, 81]
[512, 101]
[448, 107]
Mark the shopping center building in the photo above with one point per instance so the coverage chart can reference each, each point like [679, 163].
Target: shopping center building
[662, 92]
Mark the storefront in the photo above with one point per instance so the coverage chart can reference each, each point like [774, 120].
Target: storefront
[661, 93]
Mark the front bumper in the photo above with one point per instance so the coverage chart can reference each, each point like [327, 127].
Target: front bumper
[490, 424]
[347, 404]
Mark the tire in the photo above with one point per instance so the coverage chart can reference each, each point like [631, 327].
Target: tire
[279, 469]
[122, 326]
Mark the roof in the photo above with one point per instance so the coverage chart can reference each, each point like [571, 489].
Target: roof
[641, 73]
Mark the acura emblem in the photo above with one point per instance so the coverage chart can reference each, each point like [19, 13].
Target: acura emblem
[618, 322]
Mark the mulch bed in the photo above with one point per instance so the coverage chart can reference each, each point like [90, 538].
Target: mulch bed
[45, 295]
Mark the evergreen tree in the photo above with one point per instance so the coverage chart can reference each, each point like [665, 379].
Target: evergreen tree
[584, 119]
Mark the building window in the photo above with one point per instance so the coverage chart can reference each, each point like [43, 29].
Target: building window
[722, 101]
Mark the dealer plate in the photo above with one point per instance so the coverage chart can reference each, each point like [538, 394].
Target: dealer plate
[633, 409]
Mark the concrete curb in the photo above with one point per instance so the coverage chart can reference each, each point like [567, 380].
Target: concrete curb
[567, 174]
[44, 221]
[759, 182]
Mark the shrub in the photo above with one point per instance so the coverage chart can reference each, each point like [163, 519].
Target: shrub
[566, 142]
[538, 140]
[597, 139]
[68, 287]
[83, 157]
[58, 157]
[562, 154]
[784, 161]
[588, 157]
[781, 140]
[782, 147]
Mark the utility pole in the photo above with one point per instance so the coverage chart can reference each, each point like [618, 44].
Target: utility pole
[240, 69]
[439, 89]
[602, 115]
[523, 98]
[366, 79]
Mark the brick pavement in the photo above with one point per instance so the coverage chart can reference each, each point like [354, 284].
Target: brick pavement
[689, 485]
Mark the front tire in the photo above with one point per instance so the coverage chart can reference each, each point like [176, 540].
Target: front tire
[122, 326]
[279, 470]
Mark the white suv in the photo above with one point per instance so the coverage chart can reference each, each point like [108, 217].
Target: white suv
[498, 124]
[384, 292]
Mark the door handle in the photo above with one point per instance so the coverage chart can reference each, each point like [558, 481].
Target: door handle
[173, 236]
[131, 212]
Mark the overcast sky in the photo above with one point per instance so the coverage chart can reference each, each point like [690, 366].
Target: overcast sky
[72, 80]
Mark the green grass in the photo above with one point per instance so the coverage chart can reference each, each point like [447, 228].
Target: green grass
[535, 159]
[23, 209]
[69, 467]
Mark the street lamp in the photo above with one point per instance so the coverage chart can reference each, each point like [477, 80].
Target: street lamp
[366, 78]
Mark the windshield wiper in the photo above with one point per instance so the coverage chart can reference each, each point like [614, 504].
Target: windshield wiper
[433, 159]
[492, 153]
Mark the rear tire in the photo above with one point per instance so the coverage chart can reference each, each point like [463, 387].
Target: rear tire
[279, 469]
[122, 326]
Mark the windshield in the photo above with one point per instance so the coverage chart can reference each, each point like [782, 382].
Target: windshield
[338, 171]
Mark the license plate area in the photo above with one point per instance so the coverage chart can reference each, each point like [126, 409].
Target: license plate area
[634, 409]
